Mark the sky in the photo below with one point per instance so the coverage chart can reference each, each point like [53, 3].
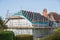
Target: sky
[30, 5]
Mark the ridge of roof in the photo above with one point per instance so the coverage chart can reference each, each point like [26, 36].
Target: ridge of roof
[29, 11]
[53, 13]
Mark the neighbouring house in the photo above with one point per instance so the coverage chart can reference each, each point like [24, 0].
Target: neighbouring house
[33, 23]
[55, 17]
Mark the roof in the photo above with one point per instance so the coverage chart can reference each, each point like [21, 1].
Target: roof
[55, 15]
[35, 17]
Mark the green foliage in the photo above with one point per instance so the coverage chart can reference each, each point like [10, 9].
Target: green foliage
[54, 36]
[24, 37]
[57, 30]
[6, 35]
[2, 25]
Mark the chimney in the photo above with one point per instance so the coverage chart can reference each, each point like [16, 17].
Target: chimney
[44, 12]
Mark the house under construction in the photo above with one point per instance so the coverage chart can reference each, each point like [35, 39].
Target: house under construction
[33, 23]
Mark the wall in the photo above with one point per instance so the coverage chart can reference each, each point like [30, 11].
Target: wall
[20, 31]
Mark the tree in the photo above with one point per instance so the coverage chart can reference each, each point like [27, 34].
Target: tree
[2, 25]
[54, 36]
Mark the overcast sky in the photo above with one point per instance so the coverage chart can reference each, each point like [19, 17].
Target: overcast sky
[31, 5]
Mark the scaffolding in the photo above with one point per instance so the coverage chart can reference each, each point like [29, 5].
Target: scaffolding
[39, 23]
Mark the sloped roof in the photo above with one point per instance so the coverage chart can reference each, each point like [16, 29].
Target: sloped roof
[34, 17]
[55, 15]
